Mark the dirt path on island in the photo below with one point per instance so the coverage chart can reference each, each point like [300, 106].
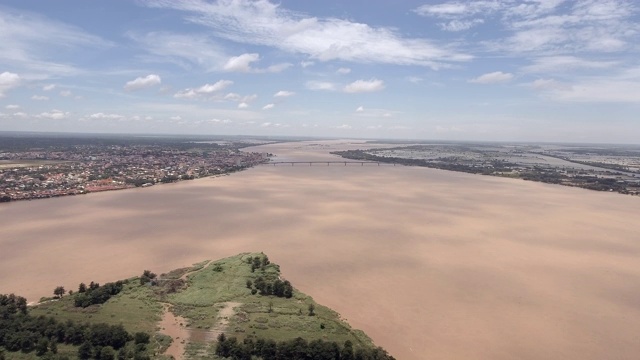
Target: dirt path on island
[186, 275]
[227, 310]
[173, 326]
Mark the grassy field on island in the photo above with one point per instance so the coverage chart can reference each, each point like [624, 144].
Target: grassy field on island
[243, 297]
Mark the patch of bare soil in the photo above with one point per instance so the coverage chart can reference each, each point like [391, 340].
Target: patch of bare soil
[227, 310]
[173, 325]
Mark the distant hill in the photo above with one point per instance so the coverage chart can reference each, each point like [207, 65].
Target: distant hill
[235, 308]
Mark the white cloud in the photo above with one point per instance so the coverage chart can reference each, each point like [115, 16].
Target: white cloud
[241, 63]
[249, 98]
[470, 8]
[39, 98]
[242, 99]
[343, 71]
[20, 114]
[219, 85]
[176, 118]
[206, 90]
[283, 94]
[375, 113]
[268, 106]
[621, 87]
[598, 90]
[344, 127]
[306, 64]
[364, 86]
[184, 50]
[12, 107]
[143, 82]
[187, 94]
[566, 63]
[276, 68]
[446, 9]
[30, 42]
[492, 78]
[48, 87]
[232, 97]
[65, 93]
[219, 121]
[320, 85]
[267, 24]
[587, 26]
[243, 105]
[552, 27]
[8, 81]
[544, 84]
[414, 79]
[460, 25]
[103, 116]
[54, 115]
[270, 124]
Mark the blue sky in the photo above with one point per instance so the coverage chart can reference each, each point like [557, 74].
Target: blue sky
[543, 70]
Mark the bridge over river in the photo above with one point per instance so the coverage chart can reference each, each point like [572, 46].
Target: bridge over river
[327, 163]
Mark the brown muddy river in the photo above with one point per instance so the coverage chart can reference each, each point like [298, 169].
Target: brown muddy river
[431, 264]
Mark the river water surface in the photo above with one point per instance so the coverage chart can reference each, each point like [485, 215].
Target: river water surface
[432, 264]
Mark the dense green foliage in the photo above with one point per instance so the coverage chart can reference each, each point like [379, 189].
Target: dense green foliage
[96, 294]
[19, 331]
[264, 285]
[296, 349]
[148, 277]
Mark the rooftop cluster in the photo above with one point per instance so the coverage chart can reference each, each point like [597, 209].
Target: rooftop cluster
[72, 169]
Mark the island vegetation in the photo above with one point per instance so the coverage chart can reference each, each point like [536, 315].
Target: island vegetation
[238, 308]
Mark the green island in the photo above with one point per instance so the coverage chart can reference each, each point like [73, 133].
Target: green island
[234, 308]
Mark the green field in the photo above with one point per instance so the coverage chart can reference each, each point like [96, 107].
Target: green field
[288, 318]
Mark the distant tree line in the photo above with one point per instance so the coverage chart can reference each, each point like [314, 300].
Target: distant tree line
[96, 294]
[444, 163]
[296, 349]
[497, 168]
[19, 331]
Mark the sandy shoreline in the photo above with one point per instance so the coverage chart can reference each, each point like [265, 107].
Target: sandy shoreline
[431, 264]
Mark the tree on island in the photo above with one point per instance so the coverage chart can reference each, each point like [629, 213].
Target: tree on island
[85, 351]
[147, 276]
[59, 292]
